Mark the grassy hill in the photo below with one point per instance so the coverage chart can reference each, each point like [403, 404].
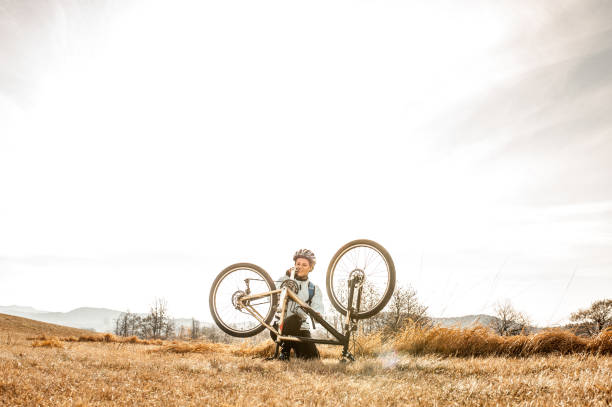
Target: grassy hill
[18, 326]
[63, 371]
[89, 318]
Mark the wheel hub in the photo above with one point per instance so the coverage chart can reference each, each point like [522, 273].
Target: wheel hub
[359, 276]
[236, 299]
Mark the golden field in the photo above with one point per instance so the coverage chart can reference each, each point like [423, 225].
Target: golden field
[47, 365]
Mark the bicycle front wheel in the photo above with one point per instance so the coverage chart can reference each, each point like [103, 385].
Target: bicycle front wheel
[236, 281]
[372, 265]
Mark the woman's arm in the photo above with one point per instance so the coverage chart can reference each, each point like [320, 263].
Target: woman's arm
[317, 301]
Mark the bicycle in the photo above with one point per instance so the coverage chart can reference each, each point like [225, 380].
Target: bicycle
[360, 281]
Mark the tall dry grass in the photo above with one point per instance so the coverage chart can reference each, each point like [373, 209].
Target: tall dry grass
[481, 341]
[48, 343]
[105, 370]
[106, 373]
[414, 340]
[108, 338]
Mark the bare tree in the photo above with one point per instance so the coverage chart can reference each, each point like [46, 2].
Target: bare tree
[195, 328]
[134, 324]
[404, 307]
[127, 324]
[117, 330]
[594, 319]
[157, 324]
[169, 329]
[510, 321]
[157, 317]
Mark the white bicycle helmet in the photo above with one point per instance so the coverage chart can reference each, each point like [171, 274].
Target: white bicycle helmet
[305, 254]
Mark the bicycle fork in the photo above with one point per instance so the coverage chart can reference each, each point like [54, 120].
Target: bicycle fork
[350, 324]
[283, 303]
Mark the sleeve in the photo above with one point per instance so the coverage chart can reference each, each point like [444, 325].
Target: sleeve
[278, 283]
[292, 307]
[317, 301]
[299, 311]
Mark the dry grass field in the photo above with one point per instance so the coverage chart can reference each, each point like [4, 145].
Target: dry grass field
[47, 365]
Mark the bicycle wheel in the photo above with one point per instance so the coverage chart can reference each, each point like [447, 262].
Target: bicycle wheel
[233, 282]
[370, 261]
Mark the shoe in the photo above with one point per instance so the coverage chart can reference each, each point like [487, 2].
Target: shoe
[284, 357]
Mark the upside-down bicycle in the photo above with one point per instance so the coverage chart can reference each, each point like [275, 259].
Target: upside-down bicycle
[360, 281]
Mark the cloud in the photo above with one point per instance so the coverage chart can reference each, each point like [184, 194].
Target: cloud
[37, 35]
[545, 123]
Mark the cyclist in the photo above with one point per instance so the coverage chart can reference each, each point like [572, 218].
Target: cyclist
[296, 321]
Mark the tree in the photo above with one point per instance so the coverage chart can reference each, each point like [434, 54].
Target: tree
[157, 319]
[128, 324]
[156, 324]
[134, 325]
[117, 330]
[169, 329]
[195, 328]
[403, 308]
[510, 321]
[594, 319]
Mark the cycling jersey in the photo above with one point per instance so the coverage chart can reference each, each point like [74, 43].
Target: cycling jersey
[303, 294]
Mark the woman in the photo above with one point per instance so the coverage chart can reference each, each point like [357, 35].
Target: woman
[296, 321]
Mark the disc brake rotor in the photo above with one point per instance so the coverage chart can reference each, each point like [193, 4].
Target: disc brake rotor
[236, 299]
[359, 276]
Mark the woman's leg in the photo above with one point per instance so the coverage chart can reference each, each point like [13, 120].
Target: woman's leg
[306, 350]
[291, 326]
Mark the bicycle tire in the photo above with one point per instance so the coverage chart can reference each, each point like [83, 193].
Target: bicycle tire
[333, 291]
[223, 321]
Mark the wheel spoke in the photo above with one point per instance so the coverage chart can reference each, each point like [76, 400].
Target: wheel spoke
[366, 258]
[231, 285]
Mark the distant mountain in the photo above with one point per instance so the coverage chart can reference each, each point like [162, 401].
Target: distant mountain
[17, 308]
[465, 321]
[103, 319]
[18, 325]
[468, 321]
[93, 319]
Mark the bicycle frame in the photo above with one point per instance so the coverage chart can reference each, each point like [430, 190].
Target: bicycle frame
[286, 295]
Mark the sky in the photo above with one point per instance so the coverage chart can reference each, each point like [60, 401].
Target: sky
[147, 145]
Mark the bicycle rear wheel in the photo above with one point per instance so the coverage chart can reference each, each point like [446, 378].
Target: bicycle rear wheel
[373, 264]
[233, 282]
